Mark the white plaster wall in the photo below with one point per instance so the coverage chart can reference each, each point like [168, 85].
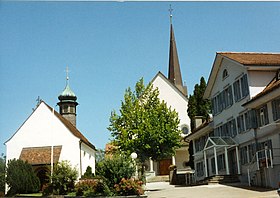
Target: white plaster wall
[182, 156]
[173, 98]
[234, 71]
[258, 80]
[88, 158]
[43, 128]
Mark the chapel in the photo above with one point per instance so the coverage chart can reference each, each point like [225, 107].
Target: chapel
[47, 137]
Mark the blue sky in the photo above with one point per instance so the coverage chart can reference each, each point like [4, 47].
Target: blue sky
[109, 46]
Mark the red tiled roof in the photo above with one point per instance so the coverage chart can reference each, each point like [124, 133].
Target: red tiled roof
[72, 128]
[253, 58]
[40, 155]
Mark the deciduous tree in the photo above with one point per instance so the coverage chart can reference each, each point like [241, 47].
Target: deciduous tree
[145, 124]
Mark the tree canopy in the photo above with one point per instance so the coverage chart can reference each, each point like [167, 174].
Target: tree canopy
[198, 106]
[145, 124]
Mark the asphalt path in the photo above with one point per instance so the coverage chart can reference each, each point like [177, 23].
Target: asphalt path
[164, 190]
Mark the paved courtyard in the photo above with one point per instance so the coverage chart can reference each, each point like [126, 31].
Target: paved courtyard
[164, 190]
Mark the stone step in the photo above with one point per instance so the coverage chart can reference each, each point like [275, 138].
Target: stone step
[223, 179]
[160, 178]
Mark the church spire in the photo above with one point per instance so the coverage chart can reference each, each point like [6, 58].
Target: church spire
[174, 72]
[67, 102]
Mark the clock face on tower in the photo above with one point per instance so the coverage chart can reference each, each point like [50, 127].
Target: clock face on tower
[185, 130]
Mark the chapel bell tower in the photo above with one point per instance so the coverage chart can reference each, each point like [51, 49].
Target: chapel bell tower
[67, 102]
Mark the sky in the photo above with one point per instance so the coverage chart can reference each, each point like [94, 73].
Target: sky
[109, 46]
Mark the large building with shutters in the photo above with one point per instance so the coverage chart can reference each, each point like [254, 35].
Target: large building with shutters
[243, 138]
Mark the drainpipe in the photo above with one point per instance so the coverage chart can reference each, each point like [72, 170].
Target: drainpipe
[80, 145]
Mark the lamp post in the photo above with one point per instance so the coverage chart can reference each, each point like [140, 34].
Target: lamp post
[134, 156]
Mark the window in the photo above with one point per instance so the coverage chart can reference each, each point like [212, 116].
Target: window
[221, 162]
[262, 146]
[218, 131]
[72, 109]
[240, 124]
[262, 116]
[65, 109]
[232, 128]
[199, 169]
[247, 120]
[237, 92]
[276, 109]
[200, 143]
[243, 155]
[241, 88]
[225, 74]
[244, 86]
[228, 100]
[252, 151]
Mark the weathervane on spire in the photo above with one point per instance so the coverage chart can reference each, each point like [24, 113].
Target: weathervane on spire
[170, 11]
[67, 72]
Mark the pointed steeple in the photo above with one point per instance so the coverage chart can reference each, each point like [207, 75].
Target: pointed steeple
[174, 72]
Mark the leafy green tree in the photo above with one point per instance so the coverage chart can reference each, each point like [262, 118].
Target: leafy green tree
[21, 178]
[145, 124]
[198, 106]
[63, 178]
[2, 174]
[114, 168]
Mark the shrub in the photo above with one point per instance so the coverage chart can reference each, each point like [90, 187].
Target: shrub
[21, 178]
[129, 187]
[63, 179]
[92, 188]
[88, 174]
[114, 169]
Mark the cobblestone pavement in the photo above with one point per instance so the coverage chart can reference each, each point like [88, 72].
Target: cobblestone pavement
[164, 190]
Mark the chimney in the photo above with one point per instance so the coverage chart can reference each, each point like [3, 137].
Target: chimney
[198, 121]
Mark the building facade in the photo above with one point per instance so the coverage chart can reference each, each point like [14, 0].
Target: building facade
[244, 136]
[174, 93]
[47, 137]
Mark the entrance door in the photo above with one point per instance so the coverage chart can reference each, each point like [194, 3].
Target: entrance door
[232, 162]
[164, 166]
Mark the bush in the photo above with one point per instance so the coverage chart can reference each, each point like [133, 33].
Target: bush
[129, 187]
[114, 169]
[88, 174]
[63, 179]
[92, 188]
[21, 178]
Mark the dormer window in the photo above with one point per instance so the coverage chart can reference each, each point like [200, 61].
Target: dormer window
[225, 74]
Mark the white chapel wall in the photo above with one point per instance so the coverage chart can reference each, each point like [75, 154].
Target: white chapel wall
[173, 99]
[44, 129]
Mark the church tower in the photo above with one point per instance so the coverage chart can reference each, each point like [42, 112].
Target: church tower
[174, 72]
[67, 102]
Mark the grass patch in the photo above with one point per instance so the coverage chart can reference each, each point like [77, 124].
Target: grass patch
[30, 195]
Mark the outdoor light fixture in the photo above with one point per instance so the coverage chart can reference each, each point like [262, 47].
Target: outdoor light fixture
[133, 155]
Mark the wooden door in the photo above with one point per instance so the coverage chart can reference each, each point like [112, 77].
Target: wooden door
[164, 166]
